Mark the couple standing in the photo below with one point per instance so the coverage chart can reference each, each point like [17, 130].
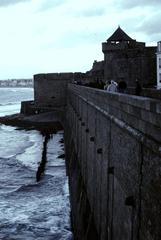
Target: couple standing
[112, 86]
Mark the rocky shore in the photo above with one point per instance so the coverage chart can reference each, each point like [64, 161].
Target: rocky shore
[44, 121]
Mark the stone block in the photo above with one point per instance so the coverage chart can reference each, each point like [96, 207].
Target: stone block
[125, 158]
[150, 196]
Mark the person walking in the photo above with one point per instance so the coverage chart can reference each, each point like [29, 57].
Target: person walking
[112, 87]
[122, 86]
[138, 88]
[107, 84]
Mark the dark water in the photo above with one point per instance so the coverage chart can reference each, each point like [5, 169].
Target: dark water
[30, 209]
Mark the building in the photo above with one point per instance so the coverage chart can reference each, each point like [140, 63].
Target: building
[16, 83]
[159, 65]
[97, 70]
[127, 60]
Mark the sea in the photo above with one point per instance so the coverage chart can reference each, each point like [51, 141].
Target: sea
[31, 208]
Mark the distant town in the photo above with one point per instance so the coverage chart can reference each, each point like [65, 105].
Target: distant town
[16, 83]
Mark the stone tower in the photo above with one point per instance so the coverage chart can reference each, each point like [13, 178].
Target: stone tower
[125, 59]
[159, 65]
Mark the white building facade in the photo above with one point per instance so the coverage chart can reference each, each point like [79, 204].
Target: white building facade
[159, 65]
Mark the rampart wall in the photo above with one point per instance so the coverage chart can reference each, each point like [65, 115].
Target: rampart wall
[50, 90]
[113, 154]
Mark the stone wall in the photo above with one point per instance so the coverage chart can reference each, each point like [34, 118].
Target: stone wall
[113, 154]
[147, 92]
[27, 107]
[126, 62]
[50, 90]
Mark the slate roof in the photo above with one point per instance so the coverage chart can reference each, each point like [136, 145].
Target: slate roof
[119, 35]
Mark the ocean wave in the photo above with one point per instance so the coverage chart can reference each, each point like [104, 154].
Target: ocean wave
[15, 151]
[9, 109]
[13, 190]
[9, 103]
[27, 187]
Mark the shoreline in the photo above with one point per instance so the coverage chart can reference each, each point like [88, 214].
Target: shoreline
[44, 122]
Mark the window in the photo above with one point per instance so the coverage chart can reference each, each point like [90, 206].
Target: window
[159, 62]
[160, 77]
[159, 46]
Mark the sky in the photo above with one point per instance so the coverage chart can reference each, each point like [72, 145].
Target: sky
[42, 36]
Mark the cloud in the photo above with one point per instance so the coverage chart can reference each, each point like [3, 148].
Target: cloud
[66, 35]
[136, 3]
[92, 12]
[4, 3]
[150, 26]
[46, 4]
[140, 19]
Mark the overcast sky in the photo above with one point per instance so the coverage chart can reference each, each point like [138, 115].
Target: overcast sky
[40, 36]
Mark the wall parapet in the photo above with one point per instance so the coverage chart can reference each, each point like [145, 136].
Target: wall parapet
[141, 113]
[50, 90]
[116, 140]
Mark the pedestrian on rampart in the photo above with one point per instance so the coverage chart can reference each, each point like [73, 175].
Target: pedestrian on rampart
[122, 86]
[107, 84]
[138, 88]
[113, 87]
